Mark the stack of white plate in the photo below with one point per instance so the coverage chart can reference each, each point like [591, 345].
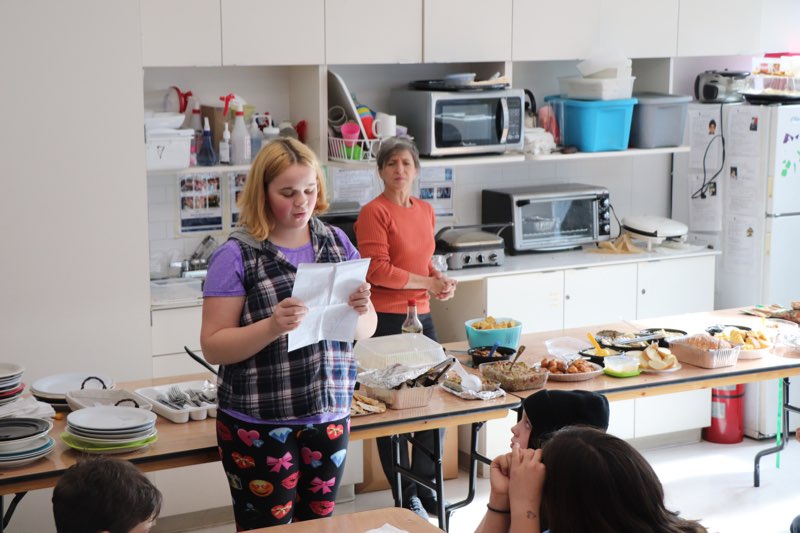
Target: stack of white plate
[11, 385]
[110, 429]
[54, 389]
[24, 440]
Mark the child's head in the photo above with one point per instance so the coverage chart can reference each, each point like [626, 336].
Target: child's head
[274, 159]
[101, 494]
[614, 487]
[547, 411]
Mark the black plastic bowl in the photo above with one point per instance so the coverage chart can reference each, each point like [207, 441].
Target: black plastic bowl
[599, 359]
[501, 354]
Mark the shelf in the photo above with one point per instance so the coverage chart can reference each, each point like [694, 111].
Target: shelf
[444, 161]
[620, 153]
[198, 169]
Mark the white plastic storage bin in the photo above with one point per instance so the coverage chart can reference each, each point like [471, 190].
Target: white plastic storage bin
[596, 88]
[168, 149]
[658, 120]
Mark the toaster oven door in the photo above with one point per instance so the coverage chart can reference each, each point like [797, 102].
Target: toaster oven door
[554, 224]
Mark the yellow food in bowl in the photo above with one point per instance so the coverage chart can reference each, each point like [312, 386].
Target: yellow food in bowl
[491, 323]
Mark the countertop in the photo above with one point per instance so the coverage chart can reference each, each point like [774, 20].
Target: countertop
[183, 292]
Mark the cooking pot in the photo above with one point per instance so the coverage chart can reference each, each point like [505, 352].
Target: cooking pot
[718, 86]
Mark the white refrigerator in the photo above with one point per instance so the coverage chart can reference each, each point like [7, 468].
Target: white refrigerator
[751, 211]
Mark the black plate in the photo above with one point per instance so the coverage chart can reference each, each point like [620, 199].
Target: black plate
[21, 428]
[717, 328]
[442, 85]
[760, 99]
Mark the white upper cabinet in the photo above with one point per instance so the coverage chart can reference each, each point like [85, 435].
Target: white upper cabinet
[779, 25]
[274, 32]
[181, 33]
[565, 30]
[466, 30]
[719, 27]
[577, 29]
[369, 32]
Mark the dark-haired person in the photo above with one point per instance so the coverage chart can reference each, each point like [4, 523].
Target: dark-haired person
[584, 479]
[543, 413]
[102, 495]
[396, 231]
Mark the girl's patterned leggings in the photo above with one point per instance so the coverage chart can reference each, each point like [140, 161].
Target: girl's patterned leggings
[281, 473]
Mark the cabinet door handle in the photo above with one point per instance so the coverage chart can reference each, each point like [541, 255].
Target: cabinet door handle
[566, 297]
[644, 291]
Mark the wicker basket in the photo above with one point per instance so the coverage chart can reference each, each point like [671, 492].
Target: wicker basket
[80, 399]
[403, 398]
[692, 355]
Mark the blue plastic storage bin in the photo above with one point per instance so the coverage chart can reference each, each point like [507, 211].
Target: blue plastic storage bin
[594, 125]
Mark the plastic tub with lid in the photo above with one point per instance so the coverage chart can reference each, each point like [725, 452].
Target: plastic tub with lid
[658, 120]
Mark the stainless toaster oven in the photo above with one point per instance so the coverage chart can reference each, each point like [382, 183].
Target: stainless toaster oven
[548, 217]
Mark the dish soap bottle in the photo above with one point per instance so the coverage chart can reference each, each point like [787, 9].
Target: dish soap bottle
[225, 147]
[240, 140]
[206, 157]
[411, 323]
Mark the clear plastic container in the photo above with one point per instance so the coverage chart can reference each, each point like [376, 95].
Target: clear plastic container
[596, 88]
[409, 349]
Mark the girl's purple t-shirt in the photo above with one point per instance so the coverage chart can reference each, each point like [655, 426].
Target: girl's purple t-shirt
[226, 269]
[224, 278]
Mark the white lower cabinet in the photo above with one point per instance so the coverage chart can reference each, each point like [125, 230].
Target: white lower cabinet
[536, 300]
[598, 295]
[675, 286]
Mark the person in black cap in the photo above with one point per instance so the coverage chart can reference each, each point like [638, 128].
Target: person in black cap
[544, 413]
[548, 411]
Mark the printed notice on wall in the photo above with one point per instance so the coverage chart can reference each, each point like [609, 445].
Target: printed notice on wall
[352, 185]
[705, 140]
[437, 187]
[235, 187]
[742, 190]
[199, 202]
[740, 245]
[705, 205]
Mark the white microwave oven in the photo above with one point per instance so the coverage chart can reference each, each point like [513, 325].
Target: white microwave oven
[543, 218]
[461, 122]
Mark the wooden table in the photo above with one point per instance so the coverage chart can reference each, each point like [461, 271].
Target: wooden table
[685, 379]
[358, 523]
[195, 442]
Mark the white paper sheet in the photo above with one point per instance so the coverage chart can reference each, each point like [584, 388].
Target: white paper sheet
[705, 212]
[437, 187]
[325, 288]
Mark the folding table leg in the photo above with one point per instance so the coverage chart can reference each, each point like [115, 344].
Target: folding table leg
[786, 408]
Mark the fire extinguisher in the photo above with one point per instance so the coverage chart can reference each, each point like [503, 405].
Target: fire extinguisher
[727, 415]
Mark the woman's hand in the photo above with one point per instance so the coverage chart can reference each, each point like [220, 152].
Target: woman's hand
[526, 480]
[359, 300]
[499, 482]
[442, 287]
[287, 316]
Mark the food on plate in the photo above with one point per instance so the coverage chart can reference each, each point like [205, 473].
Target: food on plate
[491, 323]
[749, 340]
[655, 357]
[364, 405]
[453, 382]
[704, 341]
[520, 377]
[557, 366]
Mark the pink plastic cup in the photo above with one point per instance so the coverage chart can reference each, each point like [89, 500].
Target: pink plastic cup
[350, 133]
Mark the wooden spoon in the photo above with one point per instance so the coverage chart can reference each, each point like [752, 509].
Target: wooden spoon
[600, 351]
[519, 352]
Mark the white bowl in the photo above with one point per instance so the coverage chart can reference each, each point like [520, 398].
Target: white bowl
[458, 80]
[160, 121]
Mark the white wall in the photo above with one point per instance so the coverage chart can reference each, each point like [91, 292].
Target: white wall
[73, 276]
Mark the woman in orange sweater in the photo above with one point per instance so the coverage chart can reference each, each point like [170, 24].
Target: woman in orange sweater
[396, 231]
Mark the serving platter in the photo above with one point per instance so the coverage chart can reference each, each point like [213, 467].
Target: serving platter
[579, 376]
[110, 441]
[57, 386]
[14, 429]
[101, 449]
[107, 418]
[673, 368]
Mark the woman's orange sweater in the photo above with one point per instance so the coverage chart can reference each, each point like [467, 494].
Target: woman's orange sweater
[398, 240]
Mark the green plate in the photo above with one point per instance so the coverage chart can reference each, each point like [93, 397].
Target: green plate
[75, 444]
[621, 374]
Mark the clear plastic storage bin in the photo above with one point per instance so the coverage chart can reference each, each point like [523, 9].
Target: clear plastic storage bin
[658, 120]
[596, 88]
[409, 349]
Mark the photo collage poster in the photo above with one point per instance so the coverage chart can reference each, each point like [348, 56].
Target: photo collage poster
[201, 201]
